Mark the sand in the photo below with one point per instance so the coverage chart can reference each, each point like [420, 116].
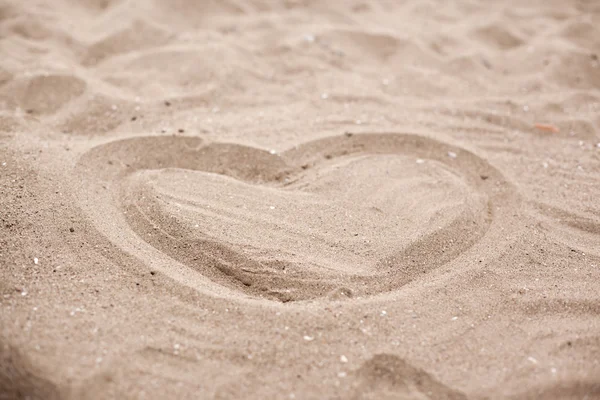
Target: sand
[299, 199]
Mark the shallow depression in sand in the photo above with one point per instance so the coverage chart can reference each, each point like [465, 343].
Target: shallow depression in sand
[339, 217]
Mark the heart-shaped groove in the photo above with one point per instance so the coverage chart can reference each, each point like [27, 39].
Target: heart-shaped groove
[352, 215]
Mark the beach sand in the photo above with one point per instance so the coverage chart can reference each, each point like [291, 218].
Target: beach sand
[299, 199]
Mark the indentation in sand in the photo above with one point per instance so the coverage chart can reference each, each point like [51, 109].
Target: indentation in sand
[358, 215]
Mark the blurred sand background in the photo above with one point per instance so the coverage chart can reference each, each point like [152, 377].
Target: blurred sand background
[299, 199]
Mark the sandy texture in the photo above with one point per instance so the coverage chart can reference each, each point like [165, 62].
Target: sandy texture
[299, 199]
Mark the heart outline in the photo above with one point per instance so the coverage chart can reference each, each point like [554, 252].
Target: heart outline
[140, 153]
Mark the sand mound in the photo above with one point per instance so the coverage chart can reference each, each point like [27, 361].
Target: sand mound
[19, 380]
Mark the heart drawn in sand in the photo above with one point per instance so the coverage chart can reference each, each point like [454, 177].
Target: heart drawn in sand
[345, 216]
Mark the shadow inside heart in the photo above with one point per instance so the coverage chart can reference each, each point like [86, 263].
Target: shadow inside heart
[339, 217]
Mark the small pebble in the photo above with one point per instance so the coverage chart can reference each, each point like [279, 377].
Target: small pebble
[324, 96]
[71, 229]
[451, 154]
[35, 260]
[533, 360]
[309, 338]
[420, 161]
[342, 374]
[454, 318]
[272, 207]
[309, 37]
[343, 359]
